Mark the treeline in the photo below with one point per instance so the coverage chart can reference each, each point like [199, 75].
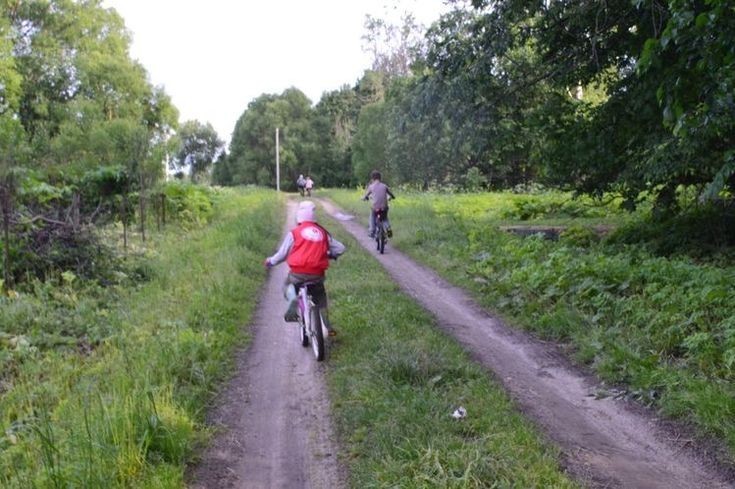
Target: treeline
[632, 97]
[84, 137]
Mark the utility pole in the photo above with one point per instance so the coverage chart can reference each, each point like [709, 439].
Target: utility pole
[278, 166]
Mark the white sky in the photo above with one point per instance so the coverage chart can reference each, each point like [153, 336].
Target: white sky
[214, 57]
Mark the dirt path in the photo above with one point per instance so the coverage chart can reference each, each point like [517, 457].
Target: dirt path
[605, 442]
[275, 429]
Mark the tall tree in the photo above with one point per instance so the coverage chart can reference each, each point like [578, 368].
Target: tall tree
[252, 149]
[199, 145]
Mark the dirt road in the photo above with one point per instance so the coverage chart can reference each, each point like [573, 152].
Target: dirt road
[605, 442]
[275, 429]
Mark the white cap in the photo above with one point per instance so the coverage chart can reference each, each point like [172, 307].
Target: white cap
[306, 212]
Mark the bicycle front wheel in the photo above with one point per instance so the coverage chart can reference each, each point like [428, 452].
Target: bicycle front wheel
[316, 333]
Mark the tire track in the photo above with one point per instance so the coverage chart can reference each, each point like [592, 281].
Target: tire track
[273, 423]
[605, 443]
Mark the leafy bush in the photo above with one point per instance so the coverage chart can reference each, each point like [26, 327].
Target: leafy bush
[660, 325]
[581, 236]
[703, 231]
[188, 203]
[534, 207]
[104, 385]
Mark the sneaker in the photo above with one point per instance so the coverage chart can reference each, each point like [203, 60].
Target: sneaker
[291, 315]
[328, 326]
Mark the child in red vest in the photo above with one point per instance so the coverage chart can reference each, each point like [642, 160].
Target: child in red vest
[307, 249]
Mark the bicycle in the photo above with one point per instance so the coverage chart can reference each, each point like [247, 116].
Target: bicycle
[310, 319]
[381, 231]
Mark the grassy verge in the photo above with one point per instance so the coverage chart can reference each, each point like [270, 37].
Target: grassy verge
[124, 409]
[395, 380]
[661, 327]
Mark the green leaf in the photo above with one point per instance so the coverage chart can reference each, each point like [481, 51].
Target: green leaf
[702, 20]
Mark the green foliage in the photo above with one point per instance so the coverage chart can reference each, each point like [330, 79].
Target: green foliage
[253, 147]
[395, 381]
[659, 326]
[554, 205]
[693, 62]
[579, 236]
[705, 231]
[190, 204]
[199, 145]
[474, 180]
[107, 384]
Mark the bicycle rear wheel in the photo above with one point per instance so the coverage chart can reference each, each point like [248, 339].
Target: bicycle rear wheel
[380, 238]
[317, 334]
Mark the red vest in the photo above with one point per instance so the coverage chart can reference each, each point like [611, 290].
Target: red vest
[309, 250]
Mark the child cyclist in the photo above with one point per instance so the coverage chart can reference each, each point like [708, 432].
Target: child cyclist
[380, 193]
[307, 249]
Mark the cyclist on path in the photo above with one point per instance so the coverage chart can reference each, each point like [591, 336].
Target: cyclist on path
[380, 193]
[307, 249]
[308, 185]
[301, 183]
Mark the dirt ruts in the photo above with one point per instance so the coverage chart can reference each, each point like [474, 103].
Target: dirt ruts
[274, 427]
[605, 442]
[273, 416]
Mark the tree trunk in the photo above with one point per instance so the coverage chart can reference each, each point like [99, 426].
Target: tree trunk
[157, 209]
[75, 220]
[5, 202]
[141, 205]
[124, 215]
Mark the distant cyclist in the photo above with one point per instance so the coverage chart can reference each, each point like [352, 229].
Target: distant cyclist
[301, 183]
[307, 249]
[379, 193]
[308, 185]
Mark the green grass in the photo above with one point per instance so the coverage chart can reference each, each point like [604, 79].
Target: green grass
[118, 400]
[395, 380]
[661, 327]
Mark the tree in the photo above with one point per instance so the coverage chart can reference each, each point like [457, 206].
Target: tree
[394, 48]
[369, 148]
[252, 149]
[73, 104]
[334, 124]
[693, 61]
[199, 145]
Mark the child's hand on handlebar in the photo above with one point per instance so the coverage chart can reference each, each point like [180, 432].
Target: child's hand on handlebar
[267, 263]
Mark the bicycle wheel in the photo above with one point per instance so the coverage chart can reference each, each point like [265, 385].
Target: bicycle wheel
[380, 238]
[317, 335]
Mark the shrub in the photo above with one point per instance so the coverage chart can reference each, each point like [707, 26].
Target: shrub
[188, 203]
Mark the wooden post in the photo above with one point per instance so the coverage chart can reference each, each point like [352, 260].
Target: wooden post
[278, 166]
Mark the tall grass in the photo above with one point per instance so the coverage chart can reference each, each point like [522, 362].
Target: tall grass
[660, 328]
[395, 381]
[127, 411]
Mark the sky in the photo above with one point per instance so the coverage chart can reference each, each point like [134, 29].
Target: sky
[214, 57]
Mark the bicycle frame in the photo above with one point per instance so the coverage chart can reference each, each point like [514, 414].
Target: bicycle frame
[310, 321]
